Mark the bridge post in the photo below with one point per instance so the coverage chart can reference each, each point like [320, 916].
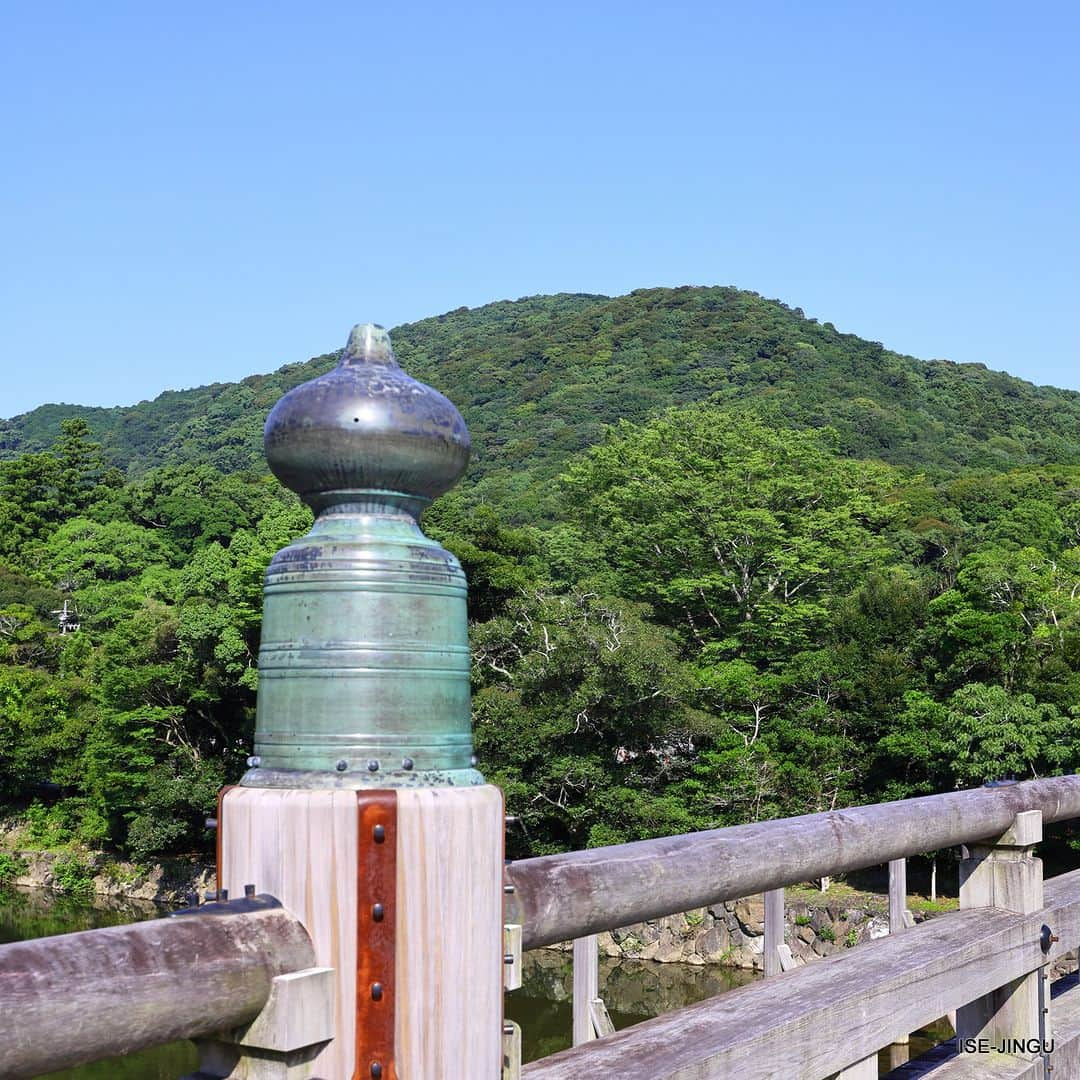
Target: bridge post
[362, 810]
[1005, 874]
[774, 930]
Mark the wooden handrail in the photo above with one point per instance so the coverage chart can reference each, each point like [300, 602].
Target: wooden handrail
[75, 998]
[826, 1016]
[562, 897]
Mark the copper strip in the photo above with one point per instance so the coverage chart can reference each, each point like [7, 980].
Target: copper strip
[376, 885]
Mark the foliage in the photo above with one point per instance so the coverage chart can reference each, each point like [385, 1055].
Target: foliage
[706, 583]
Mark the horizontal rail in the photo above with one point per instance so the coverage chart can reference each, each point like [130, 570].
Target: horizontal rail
[561, 897]
[74, 998]
[819, 1019]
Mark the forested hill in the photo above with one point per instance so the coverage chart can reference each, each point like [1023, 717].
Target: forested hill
[538, 378]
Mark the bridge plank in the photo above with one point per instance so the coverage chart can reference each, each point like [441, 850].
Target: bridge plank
[822, 1018]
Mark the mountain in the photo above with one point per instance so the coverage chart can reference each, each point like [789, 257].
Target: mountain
[539, 378]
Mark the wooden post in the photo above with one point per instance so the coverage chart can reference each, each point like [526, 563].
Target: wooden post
[774, 930]
[897, 895]
[586, 987]
[898, 908]
[1004, 874]
[362, 810]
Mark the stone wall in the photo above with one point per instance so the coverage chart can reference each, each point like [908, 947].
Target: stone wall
[732, 933]
[168, 883]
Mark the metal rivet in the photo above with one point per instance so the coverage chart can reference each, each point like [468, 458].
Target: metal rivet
[342, 765]
[407, 763]
[249, 891]
[509, 890]
[377, 912]
[376, 991]
[508, 1029]
[508, 959]
[254, 761]
[379, 833]
[373, 766]
[376, 1070]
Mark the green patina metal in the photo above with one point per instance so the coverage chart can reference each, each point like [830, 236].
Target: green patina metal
[364, 661]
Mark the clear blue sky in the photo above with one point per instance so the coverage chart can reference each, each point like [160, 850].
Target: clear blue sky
[200, 193]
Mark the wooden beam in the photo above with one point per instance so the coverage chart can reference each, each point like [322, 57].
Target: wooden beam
[81, 997]
[832, 1014]
[562, 897]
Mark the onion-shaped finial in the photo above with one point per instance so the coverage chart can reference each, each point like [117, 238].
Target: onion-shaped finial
[365, 427]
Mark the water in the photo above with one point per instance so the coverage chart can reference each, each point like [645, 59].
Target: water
[633, 990]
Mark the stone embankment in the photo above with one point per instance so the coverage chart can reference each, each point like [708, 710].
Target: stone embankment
[733, 933]
[168, 884]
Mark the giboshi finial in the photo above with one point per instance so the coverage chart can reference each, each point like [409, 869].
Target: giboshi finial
[366, 427]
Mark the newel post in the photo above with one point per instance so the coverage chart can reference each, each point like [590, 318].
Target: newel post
[363, 811]
[1004, 873]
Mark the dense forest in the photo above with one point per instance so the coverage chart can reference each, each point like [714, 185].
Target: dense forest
[725, 563]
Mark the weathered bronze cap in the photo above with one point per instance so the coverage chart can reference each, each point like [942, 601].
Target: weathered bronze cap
[365, 426]
[364, 653]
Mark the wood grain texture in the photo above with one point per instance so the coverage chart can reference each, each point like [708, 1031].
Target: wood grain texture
[449, 935]
[1005, 876]
[301, 847]
[562, 897]
[774, 930]
[867, 1069]
[897, 895]
[944, 1063]
[76, 998]
[586, 987]
[824, 1017]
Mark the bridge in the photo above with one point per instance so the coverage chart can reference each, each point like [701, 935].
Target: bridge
[366, 924]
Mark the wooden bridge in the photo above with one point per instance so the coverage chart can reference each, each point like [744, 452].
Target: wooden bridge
[366, 924]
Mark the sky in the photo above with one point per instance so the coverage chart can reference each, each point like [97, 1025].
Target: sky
[194, 193]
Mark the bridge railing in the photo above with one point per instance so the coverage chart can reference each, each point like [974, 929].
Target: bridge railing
[987, 963]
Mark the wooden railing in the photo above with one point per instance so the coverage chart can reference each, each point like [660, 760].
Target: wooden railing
[248, 967]
[986, 963]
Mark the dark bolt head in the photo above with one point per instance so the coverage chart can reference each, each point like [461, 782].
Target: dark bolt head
[342, 765]
[249, 891]
[509, 889]
[407, 764]
[379, 833]
[508, 1029]
[224, 896]
[377, 912]
[508, 959]
[1047, 937]
[376, 991]
[372, 766]
[376, 1070]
